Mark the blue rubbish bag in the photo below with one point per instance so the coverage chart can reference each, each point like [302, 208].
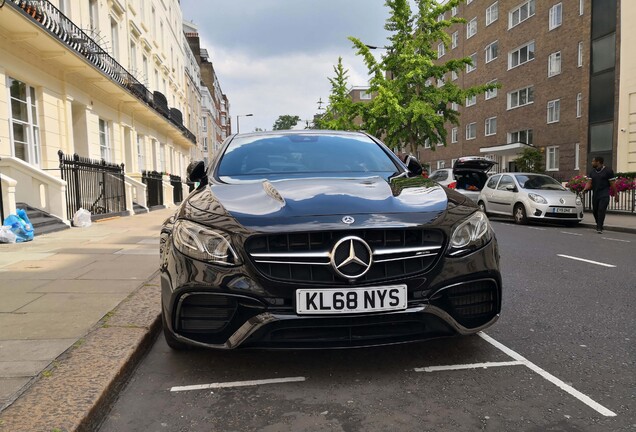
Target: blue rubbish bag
[20, 226]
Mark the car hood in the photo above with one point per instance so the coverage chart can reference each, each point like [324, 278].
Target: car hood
[371, 201]
[553, 196]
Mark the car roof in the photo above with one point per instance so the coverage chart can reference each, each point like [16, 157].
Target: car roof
[302, 132]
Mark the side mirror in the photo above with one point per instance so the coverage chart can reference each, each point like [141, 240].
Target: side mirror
[196, 172]
[413, 165]
[511, 188]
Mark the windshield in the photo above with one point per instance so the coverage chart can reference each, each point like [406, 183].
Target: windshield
[538, 182]
[304, 155]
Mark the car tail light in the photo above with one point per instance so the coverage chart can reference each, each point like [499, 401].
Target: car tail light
[452, 185]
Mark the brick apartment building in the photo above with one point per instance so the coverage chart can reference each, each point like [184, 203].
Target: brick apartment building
[555, 94]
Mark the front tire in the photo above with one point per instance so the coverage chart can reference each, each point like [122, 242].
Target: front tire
[520, 215]
[482, 207]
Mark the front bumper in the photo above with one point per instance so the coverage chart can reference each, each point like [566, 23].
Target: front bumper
[550, 212]
[204, 306]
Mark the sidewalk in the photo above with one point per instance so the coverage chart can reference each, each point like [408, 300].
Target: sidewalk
[57, 292]
[79, 308]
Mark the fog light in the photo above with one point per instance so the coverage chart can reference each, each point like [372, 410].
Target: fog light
[537, 212]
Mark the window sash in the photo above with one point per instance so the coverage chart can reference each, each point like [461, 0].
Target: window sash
[23, 115]
[491, 93]
[556, 16]
[554, 108]
[492, 13]
[454, 135]
[471, 131]
[491, 126]
[492, 51]
[521, 13]
[579, 105]
[521, 55]
[552, 156]
[471, 100]
[454, 40]
[520, 97]
[554, 64]
[471, 28]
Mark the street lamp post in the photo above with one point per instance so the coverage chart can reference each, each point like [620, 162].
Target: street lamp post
[238, 129]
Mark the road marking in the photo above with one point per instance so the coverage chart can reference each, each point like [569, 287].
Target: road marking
[571, 233]
[538, 229]
[554, 380]
[587, 261]
[468, 366]
[237, 384]
[618, 240]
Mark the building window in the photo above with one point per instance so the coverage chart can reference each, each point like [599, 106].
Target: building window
[140, 153]
[454, 40]
[441, 164]
[454, 11]
[204, 124]
[441, 50]
[521, 55]
[454, 106]
[579, 103]
[471, 28]
[471, 100]
[581, 3]
[471, 131]
[23, 112]
[133, 57]
[153, 16]
[556, 16]
[364, 95]
[471, 67]
[579, 61]
[453, 162]
[520, 136]
[114, 37]
[162, 157]
[453, 75]
[440, 82]
[469, 2]
[577, 155]
[93, 14]
[492, 13]
[491, 126]
[491, 93]
[554, 64]
[427, 143]
[205, 144]
[554, 107]
[440, 17]
[521, 13]
[492, 51]
[104, 140]
[552, 159]
[454, 135]
[520, 97]
[65, 7]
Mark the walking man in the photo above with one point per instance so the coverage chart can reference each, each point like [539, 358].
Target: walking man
[601, 181]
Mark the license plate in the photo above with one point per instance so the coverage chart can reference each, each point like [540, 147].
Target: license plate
[562, 210]
[348, 300]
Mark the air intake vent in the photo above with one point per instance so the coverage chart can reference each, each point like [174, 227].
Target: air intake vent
[471, 304]
[204, 313]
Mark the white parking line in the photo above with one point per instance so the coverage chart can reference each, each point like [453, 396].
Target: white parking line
[538, 229]
[554, 380]
[587, 261]
[485, 365]
[237, 384]
[618, 240]
[571, 233]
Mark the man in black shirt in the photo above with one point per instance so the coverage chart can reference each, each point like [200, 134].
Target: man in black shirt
[601, 180]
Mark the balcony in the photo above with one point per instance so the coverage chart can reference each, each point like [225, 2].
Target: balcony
[52, 21]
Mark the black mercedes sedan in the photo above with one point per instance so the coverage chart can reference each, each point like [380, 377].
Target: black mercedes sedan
[323, 239]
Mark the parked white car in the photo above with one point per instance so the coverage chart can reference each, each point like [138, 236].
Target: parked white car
[530, 196]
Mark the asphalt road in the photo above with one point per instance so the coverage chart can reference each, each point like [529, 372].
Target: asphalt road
[561, 358]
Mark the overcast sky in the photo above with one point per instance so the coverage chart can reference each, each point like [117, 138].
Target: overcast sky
[274, 57]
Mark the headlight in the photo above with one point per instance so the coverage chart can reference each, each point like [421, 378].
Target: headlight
[578, 200]
[204, 244]
[537, 198]
[470, 235]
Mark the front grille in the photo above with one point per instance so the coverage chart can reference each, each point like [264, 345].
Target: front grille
[305, 257]
[561, 215]
[204, 313]
[471, 304]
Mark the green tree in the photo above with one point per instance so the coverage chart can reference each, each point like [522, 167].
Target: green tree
[530, 160]
[341, 111]
[409, 107]
[285, 122]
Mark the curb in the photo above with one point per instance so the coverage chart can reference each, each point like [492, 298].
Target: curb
[77, 390]
[610, 228]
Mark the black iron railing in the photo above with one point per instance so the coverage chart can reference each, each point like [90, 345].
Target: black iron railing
[177, 188]
[57, 24]
[97, 186]
[154, 187]
[626, 202]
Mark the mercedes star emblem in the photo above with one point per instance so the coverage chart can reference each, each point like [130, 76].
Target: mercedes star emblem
[351, 257]
[348, 220]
